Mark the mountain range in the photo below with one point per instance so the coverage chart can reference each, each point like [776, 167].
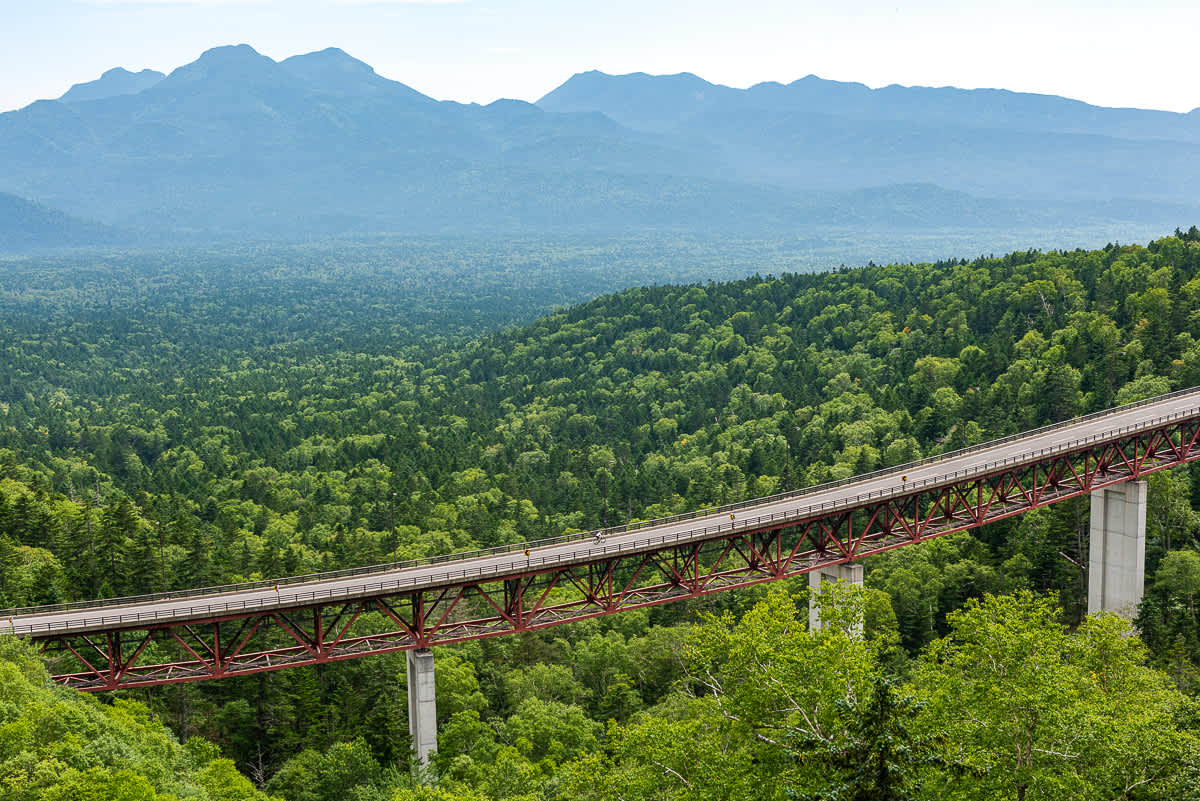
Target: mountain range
[236, 144]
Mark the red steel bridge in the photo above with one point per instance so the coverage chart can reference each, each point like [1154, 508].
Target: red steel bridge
[237, 630]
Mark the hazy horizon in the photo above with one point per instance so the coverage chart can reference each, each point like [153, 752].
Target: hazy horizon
[468, 51]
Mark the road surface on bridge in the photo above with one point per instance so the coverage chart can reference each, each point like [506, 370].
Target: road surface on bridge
[775, 511]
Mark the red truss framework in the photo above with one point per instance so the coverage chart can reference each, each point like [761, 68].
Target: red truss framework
[758, 550]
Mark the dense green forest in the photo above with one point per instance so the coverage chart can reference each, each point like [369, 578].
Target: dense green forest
[179, 420]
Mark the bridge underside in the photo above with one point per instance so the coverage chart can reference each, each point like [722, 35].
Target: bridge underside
[753, 552]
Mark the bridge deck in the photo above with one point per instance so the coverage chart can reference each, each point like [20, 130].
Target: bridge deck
[776, 511]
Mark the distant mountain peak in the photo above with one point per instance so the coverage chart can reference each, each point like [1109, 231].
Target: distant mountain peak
[114, 82]
[220, 69]
[338, 54]
[816, 80]
[243, 52]
[596, 77]
[228, 57]
[330, 58]
[508, 103]
[336, 71]
[637, 99]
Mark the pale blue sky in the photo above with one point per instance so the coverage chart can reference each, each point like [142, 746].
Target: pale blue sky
[1107, 53]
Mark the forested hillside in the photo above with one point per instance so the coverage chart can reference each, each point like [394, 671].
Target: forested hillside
[199, 426]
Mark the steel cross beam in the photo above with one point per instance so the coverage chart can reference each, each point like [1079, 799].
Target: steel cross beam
[534, 594]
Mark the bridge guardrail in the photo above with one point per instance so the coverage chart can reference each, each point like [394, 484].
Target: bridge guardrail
[7, 615]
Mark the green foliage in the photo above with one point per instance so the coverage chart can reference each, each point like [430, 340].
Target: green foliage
[1010, 704]
[882, 756]
[344, 771]
[436, 794]
[684, 752]
[60, 745]
[1033, 710]
[548, 729]
[547, 682]
[1167, 617]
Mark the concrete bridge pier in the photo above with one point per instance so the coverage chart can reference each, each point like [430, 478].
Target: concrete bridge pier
[1117, 549]
[422, 704]
[843, 572]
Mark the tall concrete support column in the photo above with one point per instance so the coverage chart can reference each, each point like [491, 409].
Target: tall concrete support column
[1117, 551]
[422, 704]
[843, 572]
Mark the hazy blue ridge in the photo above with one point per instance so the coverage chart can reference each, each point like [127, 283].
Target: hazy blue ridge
[663, 102]
[237, 144]
[114, 82]
[25, 226]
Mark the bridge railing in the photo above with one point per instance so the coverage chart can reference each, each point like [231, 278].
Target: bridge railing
[676, 537]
